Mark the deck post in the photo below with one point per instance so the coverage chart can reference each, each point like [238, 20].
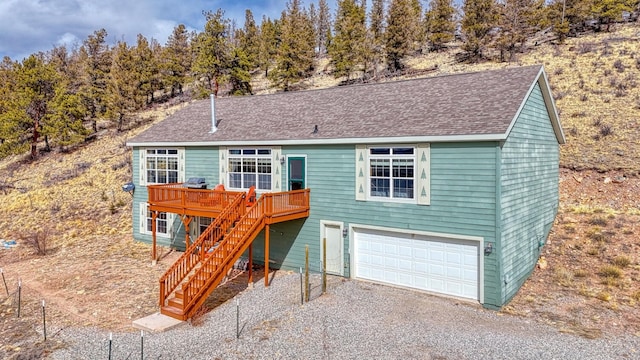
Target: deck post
[250, 280]
[186, 220]
[154, 216]
[266, 255]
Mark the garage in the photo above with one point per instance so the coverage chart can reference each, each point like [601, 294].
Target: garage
[445, 265]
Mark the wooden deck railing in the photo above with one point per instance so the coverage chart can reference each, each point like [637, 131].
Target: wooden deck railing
[196, 252]
[232, 232]
[175, 195]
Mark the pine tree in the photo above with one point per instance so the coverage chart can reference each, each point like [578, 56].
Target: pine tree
[565, 13]
[295, 56]
[212, 52]
[347, 50]
[269, 39]
[177, 60]
[96, 59]
[440, 24]
[34, 87]
[146, 66]
[415, 24]
[123, 85]
[608, 11]
[323, 27]
[239, 75]
[250, 40]
[518, 21]
[480, 17]
[398, 36]
[65, 126]
[13, 121]
[376, 33]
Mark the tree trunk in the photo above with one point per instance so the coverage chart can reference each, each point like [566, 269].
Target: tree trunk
[34, 138]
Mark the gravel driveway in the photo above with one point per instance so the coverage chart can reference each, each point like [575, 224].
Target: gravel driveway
[354, 320]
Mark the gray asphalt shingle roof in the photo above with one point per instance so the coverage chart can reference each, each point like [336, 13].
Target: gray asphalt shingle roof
[480, 103]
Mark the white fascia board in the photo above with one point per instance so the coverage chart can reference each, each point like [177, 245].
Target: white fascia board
[380, 140]
[541, 79]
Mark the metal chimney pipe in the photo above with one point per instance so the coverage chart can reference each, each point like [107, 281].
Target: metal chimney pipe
[214, 125]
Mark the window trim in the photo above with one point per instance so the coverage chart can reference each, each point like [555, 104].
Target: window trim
[143, 157]
[391, 157]
[257, 156]
[144, 218]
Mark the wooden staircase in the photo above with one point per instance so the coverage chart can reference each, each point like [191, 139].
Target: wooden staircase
[189, 281]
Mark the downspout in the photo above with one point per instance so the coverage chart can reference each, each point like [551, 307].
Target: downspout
[214, 125]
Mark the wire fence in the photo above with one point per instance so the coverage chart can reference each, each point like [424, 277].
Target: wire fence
[313, 284]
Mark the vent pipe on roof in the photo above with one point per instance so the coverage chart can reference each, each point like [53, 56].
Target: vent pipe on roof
[214, 125]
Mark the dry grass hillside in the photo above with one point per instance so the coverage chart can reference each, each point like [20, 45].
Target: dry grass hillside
[71, 206]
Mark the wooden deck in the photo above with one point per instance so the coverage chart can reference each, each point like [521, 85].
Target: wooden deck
[174, 198]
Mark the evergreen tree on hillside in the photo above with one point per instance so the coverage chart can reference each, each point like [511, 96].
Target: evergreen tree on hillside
[519, 19]
[213, 51]
[33, 87]
[176, 60]
[268, 44]
[11, 127]
[146, 66]
[95, 56]
[295, 53]
[563, 14]
[399, 36]
[65, 125]
[239, 75]
[480, 17]
[416, 24]
[440, 23]
[250, 40]
[123, 94]
[347, 49]
[323, 27]
[608, 11]
[376, 33]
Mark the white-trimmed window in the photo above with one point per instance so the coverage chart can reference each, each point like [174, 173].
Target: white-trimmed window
[392, 172]
[162, 166]
[250, 167]
[164, 222]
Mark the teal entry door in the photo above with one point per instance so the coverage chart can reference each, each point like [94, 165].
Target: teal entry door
[296, 172]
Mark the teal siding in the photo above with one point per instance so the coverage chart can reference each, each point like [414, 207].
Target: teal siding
[463, 201]
[199, 162]
[529, 192]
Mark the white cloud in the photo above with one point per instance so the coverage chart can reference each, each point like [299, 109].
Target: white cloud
[30, 26]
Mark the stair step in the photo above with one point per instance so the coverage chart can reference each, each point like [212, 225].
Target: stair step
[175, 302]
[179, 293]
[173, 312]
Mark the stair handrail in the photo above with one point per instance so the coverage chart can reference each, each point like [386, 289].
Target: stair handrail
[176, 273]
[225, 253]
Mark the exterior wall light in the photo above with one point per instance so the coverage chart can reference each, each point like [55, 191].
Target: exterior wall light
[488, 249]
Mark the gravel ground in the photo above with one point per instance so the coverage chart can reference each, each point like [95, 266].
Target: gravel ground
[354, 320]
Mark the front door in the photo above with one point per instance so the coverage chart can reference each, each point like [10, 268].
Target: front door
[296, 173]
[331, 233]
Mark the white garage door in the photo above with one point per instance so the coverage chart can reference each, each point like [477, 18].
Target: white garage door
[427, 263]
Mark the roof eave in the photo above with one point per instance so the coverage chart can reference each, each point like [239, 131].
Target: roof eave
[335, 141]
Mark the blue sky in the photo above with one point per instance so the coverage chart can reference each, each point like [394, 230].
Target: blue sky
[29, 26]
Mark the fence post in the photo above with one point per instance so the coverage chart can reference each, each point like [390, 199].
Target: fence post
[301, 290]
[6, 288]
[19, 294]
[44, 322]
[110, 341]
[324, 265]
[306, 273]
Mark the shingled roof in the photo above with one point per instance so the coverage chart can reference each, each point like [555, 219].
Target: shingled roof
[466, 106]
